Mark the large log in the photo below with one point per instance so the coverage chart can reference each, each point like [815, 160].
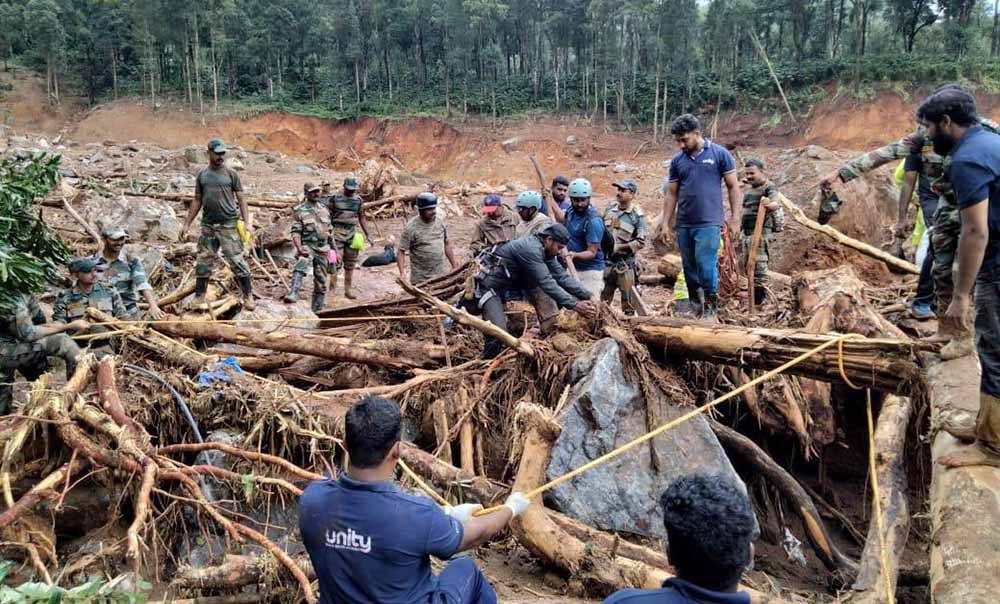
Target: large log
[965, 502]
[884, 364]
[670, 267]
[861, 246]
[890, 468]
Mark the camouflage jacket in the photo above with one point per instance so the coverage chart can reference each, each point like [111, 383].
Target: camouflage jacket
[493, 230]
[125, 274]
[344, 212]
[19, 325]
[775, 220]
[628, 228]
[72, 304]
[917, 143]
[311, 222]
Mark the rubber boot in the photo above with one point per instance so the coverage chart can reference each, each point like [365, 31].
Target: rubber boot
[332, 278]
[293, 289]
[759, 295]
[247, 286]
[710, 308]
[318, 301]
[200, 289]
[348, 278]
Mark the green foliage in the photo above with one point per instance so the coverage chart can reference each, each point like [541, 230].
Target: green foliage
[30, 253]
[91, 592]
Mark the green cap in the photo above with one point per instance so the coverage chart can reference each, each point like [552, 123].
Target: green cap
[351, 183]
[217, 146]
[82, 265]
[114, 232]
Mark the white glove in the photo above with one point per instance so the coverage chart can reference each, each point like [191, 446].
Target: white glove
[517, 503]
[463, 512]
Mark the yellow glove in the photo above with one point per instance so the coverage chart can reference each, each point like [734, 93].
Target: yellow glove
[241, 229]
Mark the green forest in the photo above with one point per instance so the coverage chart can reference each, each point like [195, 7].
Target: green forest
[635, 60]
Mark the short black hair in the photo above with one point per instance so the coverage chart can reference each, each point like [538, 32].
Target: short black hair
[756, 163]
[953, 102]
[560, 180]
[683, 124]
[950, 86]
[371, 427]
[710, 526]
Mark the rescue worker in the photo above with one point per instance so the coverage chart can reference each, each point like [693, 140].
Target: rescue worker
[529, 264]
[124, 272]
[495, 227]
[219, 192]
[425, 238]
[326, 191]
[761, 190]
[586, 231]
[311, 238]
[625, 220]
[529, 206]
[86, 292]
[346, 216]
[559, 204]
[27, 341]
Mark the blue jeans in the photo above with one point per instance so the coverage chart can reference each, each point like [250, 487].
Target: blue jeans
[988, 329]
[700, 257]
[461, 582]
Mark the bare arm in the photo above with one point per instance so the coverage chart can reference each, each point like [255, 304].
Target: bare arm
[588, 254]
[364, 224]
[971, 247]
[557, 214]
[735, 200]
[669, 205]
[449, 253]
[905, 194]
[193, 210]
[479, 529]
[244, 210]
[401, 262]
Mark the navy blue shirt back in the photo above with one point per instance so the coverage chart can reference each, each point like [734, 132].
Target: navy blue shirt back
[584, 229]
[974, 173]
[564, 205]
[699, 185]
[370, 543]
[676, 591]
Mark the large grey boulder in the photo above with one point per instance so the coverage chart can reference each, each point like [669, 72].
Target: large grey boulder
[605, 411]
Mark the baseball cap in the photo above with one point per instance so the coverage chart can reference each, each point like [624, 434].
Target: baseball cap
[217, 146]
[628, 183]
[309, 187]
[351, 183]
[558, 232]
[491, 203]
[114, 232]
[82, 265]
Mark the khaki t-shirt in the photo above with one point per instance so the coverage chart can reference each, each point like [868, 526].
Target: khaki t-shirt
[536, 224]
[425, 244]
[218, 189]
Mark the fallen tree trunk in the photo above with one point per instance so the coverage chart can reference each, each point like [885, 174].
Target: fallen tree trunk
[861, 246]
[601, 572]
[317, 346]
[670, 267]
[884, 364]
[890, 467]
[234, 571]
[447, 476]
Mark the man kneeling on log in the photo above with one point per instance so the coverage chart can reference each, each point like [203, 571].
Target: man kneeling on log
[529, 264]
[710, 531]
[369, 542]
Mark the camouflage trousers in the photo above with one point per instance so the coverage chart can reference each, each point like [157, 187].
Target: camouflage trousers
[347, 258]
[320, 264]
[620, 277]
[31, 359]
[761, 274]
[944, 244]
[215, 237]
[828, 206]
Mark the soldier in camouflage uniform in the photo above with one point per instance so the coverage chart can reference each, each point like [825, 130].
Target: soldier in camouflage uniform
[72, 304]
[624, 219]
[946, 220]
[761, 190]
[26, 342]
[346, 216]
[124, 272]
[220, 191]
[311, 237]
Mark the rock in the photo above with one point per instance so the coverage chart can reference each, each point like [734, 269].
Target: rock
[605, 411]
[68, 172]
[267, 309]
[97, 157]
[303, 170]
[21, 154]
[270, 159]
[146, 164]
[817, 152]
[577, 152]
[218, 490]
[511, 143]
[234, 164]
[17, 141]
[571, 140]
[132, 147]
[183, 182]
[43, 144]
[194, 155]
[144, 219]
[619, 168]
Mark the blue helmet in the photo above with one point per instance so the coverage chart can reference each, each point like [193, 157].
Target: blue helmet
[529, 199]
[580, 187]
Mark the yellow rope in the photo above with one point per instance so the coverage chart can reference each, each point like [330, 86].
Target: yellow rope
[877, 504]
[840, 365]
[679, 420]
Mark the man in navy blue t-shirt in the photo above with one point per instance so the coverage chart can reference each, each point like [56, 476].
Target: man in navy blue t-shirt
[710, 531]
[972, 165]
[371, 543]
[586, 230]
[694, 189]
